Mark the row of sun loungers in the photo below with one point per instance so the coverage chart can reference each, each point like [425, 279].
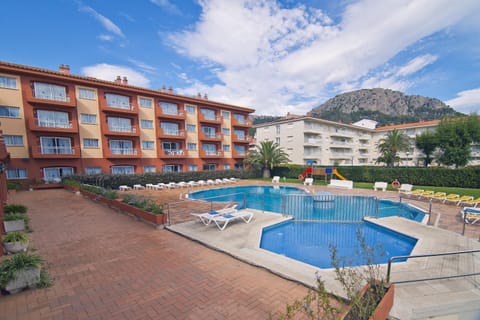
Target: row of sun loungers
[181, 184]
[443, 197]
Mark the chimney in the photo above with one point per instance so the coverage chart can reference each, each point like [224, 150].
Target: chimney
[205, 96]
[170, 90]
[125, 81]
[64, 68]
[163, 88]
[118, 80]
[199, 95]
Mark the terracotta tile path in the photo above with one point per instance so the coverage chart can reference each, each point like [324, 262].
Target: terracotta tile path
[108, 266]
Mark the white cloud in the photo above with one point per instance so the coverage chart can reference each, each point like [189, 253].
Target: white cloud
[110, 72]
[104, 21]
[143, 66]
[467, 101]
[105, 37]
[167, 5]
[278, 59]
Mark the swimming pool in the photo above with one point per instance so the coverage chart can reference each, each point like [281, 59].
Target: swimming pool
[310, 242]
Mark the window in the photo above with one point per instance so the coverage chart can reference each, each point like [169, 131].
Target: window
[190, 109]
[172, 168]
[209, 149]
[210, 167]
[123, 170]
[93, 170]
[240, 134]
[9, 112]
[208, 114]
[90, 143]
[209, 132]
[192, 146]
[120, 124]
[16, 174]
[56, 174]
[8, 82]
[53, 119]
[192, 167]
[191, 128]
[148, 145]
[277, 140]
[50, 91]
[226, 167]
[240, 150]
[11, 140]
[88, 118]
[121, 147]
[225, 115]
[226, 147]
[277, 130]
[56, 145]
[149, 169]
[226, 131]
[170, 128]
[146, 124]
[118, 101]
[169, 108]
[240, 118]
[88, 94]
[145, 103]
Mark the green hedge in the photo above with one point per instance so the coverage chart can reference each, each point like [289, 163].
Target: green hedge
[468, 177]
[113, 181]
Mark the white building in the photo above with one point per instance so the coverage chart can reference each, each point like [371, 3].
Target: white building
[306, 138]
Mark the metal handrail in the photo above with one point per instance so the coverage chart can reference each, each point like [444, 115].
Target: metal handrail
[389, 268]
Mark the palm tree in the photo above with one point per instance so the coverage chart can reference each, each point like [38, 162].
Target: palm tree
[266, 156]
[394, 142]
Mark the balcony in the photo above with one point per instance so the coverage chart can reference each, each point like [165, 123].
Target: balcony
[214, 120]
[36, 124]
[217, 136]
[50, 99]
[179, 115]
[239, 154]
[171, 134]
[312, 142]
[211, 154]
[173, 154]
[241, 123]
[121, 153]
[122, 131]
[241, 139]
[123, 109]
[54, 152]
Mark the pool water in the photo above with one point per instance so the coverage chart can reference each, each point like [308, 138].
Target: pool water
[310, 242]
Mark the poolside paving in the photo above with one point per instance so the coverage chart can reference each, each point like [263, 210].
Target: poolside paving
[108, 266]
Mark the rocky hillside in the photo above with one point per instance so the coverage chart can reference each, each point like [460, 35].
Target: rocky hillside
[383, 105]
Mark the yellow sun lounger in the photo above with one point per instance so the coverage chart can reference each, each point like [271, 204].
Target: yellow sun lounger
[451, 196]
[471, 202]
[458, 200]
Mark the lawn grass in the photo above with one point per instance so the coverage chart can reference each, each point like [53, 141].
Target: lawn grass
[369, 185]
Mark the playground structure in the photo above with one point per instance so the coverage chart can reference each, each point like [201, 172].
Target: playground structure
[325, 172]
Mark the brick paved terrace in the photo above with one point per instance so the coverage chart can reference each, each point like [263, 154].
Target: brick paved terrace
[108, 266]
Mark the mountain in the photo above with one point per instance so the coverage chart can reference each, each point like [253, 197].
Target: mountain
[383, 105]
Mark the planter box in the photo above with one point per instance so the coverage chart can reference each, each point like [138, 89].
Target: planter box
[24, 278]
[14, 225]
[383, 308]
[14, 247]
[156, 219]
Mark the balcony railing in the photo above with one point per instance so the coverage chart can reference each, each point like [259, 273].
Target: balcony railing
[211, 154]
[247, 122]
[239, 153]
[54, 152]
[242, 138]
[51, 97]
[123, 151]
[210, 136]
[121, 108]
[36, 124]
[171, 133]
[180, 153]
[48, 99]
[130, 129]
[203, 118]
[179, 114]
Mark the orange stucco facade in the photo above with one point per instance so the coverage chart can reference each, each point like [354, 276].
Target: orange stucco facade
[56, 124]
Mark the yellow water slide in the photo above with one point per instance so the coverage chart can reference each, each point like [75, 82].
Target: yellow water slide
[335, 172]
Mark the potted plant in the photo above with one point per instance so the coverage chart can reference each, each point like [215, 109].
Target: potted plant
[16, 241]
[19, 272]
[15, 221]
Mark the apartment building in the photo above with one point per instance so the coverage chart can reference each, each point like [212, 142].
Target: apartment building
[57, 124]
[305, 138]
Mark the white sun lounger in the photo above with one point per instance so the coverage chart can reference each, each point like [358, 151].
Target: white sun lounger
[207, 217]
[222, 220]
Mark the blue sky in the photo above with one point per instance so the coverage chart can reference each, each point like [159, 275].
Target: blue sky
[273, 56]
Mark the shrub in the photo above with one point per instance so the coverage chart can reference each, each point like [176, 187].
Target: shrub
[20, 208]
[15, 236]
[148, 205]
[20, 261]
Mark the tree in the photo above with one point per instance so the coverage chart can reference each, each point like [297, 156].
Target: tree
[394, 142]
[455, 136]
[266, 156]
[427, 142]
